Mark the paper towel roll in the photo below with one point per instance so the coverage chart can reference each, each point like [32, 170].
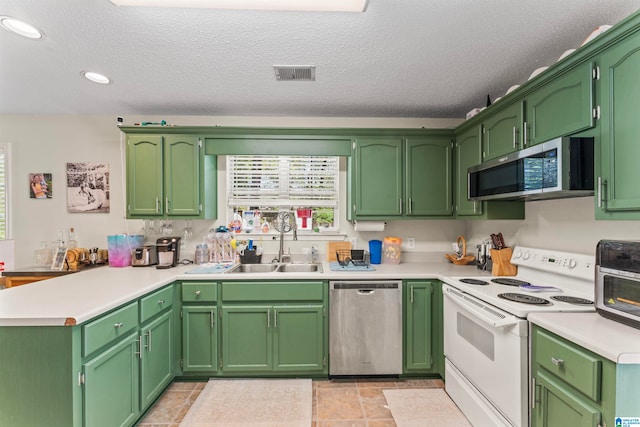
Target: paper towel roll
[369, 225]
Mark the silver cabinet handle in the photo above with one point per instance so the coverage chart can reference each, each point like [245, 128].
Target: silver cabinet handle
[212, 318]
[268, 318]
[599, 191]
[148, 344]
[118, 325]
[534, 389]
[197, 293]
[524, 133]
[139, 350]
[557, 362]
[411, 299]
[157, 205]
[410, 208]
[161, 302]
[275, 318]
[514, 137]
[400, 201]
[166, 205]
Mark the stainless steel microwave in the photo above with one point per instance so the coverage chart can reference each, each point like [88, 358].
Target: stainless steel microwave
[559, 168]
[618, 281]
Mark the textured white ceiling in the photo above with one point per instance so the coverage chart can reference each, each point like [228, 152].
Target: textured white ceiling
[401, 58]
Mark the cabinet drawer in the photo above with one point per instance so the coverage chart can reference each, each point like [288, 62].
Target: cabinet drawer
[109, 328]
[279, 291]
[155, 303]
[571, 363]
[199, 292]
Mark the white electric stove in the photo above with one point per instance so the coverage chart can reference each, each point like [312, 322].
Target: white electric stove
[486, 330]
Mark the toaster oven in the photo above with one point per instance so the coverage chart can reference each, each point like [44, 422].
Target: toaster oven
[618, 281]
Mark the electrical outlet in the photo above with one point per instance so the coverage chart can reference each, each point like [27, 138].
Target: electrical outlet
[411, 243]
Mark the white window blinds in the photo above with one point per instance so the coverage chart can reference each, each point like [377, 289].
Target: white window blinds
[282, 181]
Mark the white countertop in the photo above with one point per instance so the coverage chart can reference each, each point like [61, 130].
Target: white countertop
[76, 298]
[615, 341]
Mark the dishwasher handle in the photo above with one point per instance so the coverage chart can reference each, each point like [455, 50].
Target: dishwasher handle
[365, 292]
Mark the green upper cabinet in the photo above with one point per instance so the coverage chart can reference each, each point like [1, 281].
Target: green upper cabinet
[618, 192]
[378, 177]
[468, 152]
[502, 131]
[398, 177]
[561, 107]
[145, 178]
[166, 176]
[428, 176]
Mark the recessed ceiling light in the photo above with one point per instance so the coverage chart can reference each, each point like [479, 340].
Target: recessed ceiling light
[96, 77]
[20, 27]
[304, 5]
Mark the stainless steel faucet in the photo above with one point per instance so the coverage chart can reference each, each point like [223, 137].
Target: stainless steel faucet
[284, 225]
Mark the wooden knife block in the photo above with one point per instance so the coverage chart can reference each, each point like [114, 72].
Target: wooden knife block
[502, 266]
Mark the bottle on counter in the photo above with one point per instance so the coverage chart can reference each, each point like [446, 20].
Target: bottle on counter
[72, 242]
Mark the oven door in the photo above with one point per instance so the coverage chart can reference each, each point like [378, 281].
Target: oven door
[618, 295]
[488, 348]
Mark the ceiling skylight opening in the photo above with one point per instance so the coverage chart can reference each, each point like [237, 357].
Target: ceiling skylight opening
[20, 27]
[96, 77]
[299, 5]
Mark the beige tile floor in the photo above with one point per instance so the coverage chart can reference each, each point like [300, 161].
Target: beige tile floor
[336, 403]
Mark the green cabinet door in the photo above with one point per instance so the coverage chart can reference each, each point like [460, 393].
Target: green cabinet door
[111, 386]
[247, 343]
[144, 176]
[558, 405]
[468, 153]
[619, 175]
[418, 331]
[157, 360]
[561, 107]
[428, 176]
[501, 131]
[378, 177]
[199, 339]
[182, 161]
[298, 338]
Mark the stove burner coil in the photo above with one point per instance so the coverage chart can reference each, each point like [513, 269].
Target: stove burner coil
[509, 282]
[474, 281]
[572, 300]
[523, 298]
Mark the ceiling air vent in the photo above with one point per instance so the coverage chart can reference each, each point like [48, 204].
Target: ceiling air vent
[295, 72]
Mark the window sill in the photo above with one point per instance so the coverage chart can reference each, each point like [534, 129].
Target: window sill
[308, 236]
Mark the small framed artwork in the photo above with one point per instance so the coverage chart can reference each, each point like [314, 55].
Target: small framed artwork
[58, 258]
[40, 185]
[88, 187]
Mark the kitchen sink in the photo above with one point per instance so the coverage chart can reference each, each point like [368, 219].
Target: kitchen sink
[254, 268]
[300, 268]
[278, 268]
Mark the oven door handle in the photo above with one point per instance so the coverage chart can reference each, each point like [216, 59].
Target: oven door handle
[480, 310]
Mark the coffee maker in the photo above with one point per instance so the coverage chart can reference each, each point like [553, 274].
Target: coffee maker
[168, 251]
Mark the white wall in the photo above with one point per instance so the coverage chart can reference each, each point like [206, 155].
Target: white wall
[47, 143]
[565, 225]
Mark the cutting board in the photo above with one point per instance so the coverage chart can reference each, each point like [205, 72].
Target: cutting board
[332, 247]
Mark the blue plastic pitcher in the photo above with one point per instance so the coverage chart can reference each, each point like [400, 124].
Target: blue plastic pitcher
[375, 249]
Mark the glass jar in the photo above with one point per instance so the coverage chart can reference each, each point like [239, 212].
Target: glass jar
[202, 254]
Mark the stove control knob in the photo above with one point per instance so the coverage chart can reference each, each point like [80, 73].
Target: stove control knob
[526, 256]
[517, 255]
[573, 263]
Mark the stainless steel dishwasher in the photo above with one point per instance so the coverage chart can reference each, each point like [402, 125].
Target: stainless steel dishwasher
[365, 327]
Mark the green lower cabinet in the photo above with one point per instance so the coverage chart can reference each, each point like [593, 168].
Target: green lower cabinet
[423, 327]
[157, 358]
[199, 339]
[111, 381]
[247, 342]
[273, 339]
[571, 386]
[298, 338]
[558, 405]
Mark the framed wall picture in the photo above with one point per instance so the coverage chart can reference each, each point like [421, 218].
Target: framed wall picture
[88, 187]
[40, 185]
[58, 258]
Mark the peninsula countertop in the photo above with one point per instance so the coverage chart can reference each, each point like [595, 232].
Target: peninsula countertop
[76, 298]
